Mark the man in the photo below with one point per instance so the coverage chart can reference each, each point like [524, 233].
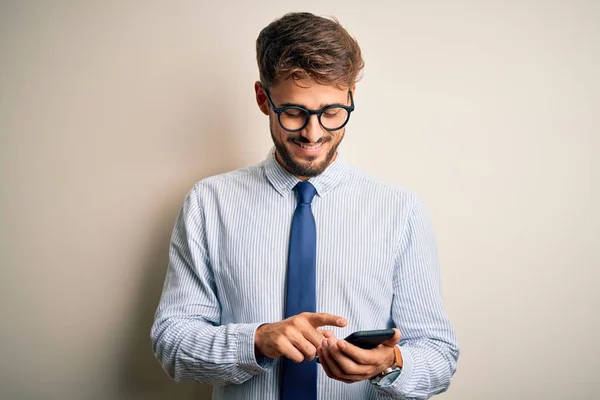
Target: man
[271, 264]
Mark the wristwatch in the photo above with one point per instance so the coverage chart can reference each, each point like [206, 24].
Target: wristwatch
[388, 375]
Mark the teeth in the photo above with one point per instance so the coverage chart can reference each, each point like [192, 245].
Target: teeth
[306, 146]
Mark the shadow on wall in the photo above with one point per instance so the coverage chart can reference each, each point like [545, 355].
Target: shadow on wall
[142, 376]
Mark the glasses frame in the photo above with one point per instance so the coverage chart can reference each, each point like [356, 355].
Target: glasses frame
[310, 113]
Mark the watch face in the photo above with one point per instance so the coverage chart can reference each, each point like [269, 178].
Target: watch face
[389, 378]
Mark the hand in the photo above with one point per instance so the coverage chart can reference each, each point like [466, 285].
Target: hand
[348, 363]
[297, 337]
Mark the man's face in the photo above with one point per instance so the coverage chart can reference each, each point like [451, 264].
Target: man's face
[306, 153]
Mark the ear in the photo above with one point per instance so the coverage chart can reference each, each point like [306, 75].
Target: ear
[261, 98]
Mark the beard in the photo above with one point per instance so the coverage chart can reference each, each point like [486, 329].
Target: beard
[310, 168]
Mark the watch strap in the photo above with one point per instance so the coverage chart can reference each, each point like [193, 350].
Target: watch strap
[396, 366]
[397, 357]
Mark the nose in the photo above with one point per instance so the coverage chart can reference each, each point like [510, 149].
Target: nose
[313, 130]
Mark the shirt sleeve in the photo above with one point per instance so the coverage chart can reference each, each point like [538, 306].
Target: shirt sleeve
[428, 343]
[187, 336]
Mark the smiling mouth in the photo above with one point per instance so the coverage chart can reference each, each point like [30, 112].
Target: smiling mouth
[309, 146]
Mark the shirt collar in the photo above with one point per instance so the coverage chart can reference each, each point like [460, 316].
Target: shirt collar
[284, 182]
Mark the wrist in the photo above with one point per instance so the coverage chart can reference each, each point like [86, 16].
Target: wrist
[257, 340]
[391, 363]
[390, 373]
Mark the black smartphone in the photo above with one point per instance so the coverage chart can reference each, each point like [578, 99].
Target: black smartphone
[369, 339]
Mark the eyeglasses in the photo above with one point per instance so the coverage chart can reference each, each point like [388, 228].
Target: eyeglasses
[294, 118]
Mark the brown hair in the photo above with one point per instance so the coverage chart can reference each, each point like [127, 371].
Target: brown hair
[303, 45]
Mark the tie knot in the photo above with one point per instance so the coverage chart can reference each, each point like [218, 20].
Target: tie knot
[306, 191]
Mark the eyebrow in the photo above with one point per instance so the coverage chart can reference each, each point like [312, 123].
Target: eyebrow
[322, 106]
[304, 106]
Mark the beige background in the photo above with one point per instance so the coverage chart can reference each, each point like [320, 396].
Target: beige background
[110, 111]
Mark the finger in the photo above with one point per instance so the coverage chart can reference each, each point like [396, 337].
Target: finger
[331, 367]
[290, 351]
[306, 347]
[326, 333]
[331, 363]
[329, 373]
[391, 342]
[302, 325]
[360, 356]
[323, 319]
[350, 368]
[314, 336]
[323, 361]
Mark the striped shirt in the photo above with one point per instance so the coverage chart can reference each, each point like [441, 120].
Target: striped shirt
[377, 266]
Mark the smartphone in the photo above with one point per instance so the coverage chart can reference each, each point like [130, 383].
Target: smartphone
[369, 339]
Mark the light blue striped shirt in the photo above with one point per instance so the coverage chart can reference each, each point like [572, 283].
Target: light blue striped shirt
[377, 266]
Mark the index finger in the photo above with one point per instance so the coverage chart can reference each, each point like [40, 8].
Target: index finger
[323, 319]
[359, 355]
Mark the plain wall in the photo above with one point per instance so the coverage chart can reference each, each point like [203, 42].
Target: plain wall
[110, 111]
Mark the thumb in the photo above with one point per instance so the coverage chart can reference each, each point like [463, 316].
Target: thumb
[391, 342]
[323, 319]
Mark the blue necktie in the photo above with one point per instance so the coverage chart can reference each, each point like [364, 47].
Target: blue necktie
[299, 381]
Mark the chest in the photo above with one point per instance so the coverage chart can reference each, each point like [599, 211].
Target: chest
[355, 253]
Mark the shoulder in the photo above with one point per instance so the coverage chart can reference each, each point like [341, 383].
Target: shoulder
[379, 190]
[387, 203]
[233, 183]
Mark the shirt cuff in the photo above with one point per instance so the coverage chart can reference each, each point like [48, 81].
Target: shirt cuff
[247, 359]
[398, 385]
